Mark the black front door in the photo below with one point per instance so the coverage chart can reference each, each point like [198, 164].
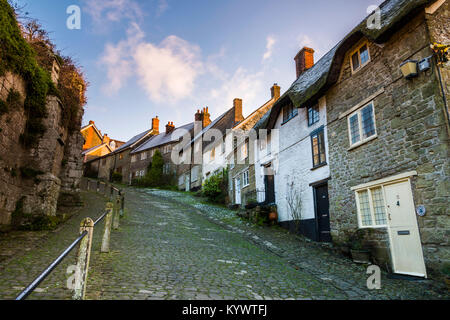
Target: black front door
[323, 213]
[270, 189]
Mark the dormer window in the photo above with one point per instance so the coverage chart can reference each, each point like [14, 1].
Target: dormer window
[360, 57]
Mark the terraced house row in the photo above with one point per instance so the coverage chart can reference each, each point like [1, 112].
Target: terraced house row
[360, 141]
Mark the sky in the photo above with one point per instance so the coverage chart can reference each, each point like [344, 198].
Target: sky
[169, 58]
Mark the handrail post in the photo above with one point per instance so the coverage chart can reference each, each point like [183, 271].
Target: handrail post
[107, 231]
[98, 186]
[122, 204]
[111, 193]
[84, 254]
[88, 184]
[116, 213]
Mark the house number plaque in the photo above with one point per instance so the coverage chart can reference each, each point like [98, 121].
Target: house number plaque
[421, 211]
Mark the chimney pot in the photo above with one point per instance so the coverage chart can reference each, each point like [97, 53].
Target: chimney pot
[206, 117]
[304, 60]
[169, 127]
[275, 91]
[91, 122]
[155, 125]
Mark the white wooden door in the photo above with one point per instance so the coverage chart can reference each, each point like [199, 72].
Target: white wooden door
[406, 247]
[237, 192]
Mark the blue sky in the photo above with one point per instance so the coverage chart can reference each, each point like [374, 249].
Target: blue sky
[170, 58]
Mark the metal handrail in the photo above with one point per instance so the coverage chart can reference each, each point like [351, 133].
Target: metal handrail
[28, 290]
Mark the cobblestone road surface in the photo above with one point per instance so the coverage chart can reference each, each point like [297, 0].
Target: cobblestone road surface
[172, 246]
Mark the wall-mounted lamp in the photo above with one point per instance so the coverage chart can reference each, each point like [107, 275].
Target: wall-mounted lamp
[409, 69]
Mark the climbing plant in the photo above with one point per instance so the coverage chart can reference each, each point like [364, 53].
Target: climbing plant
[27, 51]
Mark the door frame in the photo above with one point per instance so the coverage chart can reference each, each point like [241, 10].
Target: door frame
[403, 177]
[314, 186]
[415, 224]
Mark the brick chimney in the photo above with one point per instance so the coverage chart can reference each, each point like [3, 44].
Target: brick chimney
[91, 122]
[275, 91]
[237, 105]
[304, 60]
[106, 139]
[155, 125]
[198, 116]
[169, 127]
[206, 117]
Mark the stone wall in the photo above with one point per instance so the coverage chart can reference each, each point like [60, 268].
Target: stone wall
[31, 179]
[12, 124]
[412, 135]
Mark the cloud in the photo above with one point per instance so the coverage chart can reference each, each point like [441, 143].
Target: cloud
[241, 84]
[166, 71]
[270, 42]
[113, 10]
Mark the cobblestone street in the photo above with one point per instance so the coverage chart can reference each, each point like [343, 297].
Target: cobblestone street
[171, 246]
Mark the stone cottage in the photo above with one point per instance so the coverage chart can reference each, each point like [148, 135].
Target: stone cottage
[241, 159]
[208, 137]
[97, 145]
[141, 157]
[119, 161]
[300, 177]
[388, 135]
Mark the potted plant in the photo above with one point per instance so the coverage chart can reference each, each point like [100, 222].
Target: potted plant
[359, 253]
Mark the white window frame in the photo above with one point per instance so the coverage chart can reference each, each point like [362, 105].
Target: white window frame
[357, 50]
[133, 158]
[245, 178]
[371, 208]
[143, 155]
[361, 139]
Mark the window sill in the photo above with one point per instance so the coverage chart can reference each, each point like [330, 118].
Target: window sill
[356, 145]
[284, 122]
[319, 166]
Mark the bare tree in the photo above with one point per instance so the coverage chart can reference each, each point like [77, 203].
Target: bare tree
[295, 203]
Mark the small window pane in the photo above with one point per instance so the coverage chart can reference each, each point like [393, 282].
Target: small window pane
[368, 126]
[322, 147]
[313, 114]
[364, 54]
[355, 61]
[354, 129]
[366, 218]
[378, 207]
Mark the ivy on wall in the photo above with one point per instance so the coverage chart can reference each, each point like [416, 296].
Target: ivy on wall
[19, 57]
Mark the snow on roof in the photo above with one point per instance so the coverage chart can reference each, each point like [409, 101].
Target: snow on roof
[133, 140]
[163, 138]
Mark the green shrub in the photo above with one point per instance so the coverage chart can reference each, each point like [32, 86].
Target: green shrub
[116, 177]
[215, 187]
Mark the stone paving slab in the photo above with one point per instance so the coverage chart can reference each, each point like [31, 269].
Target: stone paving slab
[27, 254]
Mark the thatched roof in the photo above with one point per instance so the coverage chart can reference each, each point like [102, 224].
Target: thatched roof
[313, 82]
